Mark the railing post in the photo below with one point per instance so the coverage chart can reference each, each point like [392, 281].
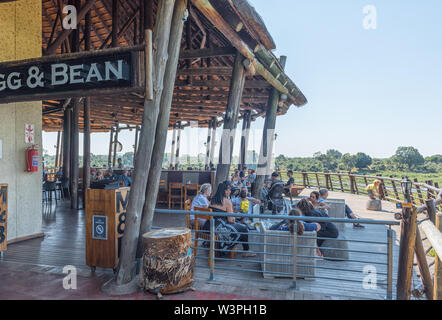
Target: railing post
[389, 263]
[317, 180]
[406, 253]
[327, 176]
[340, 182]
[394, 188]
[419, 193]
[212, 249]
[295, 252]
[352, 188]
[438, 265]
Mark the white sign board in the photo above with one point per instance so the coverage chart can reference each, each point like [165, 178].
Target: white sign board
[29, 133]
[1, 149]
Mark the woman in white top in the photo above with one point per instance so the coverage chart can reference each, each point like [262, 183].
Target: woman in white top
[201, 201]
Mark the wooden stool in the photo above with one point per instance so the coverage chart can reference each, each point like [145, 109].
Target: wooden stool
[162, 188]
[175, 194]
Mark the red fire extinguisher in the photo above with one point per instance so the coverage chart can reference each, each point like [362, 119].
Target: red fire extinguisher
[32, 159]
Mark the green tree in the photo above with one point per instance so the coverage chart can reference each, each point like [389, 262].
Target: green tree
[408, 156]
[334, 154]
[362, 160]
[347, 162]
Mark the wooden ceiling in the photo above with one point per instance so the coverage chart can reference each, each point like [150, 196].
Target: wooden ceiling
[202, 84]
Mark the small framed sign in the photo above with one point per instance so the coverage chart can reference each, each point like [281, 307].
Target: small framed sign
[99, 227]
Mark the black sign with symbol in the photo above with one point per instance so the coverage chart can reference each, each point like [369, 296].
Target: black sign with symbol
[99, 227]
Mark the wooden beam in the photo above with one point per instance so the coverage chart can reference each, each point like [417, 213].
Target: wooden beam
[207, 52]
[217, 20]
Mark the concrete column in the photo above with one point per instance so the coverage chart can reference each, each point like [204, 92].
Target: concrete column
[21, 38]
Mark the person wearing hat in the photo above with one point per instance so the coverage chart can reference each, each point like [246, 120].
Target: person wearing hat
[372, 188]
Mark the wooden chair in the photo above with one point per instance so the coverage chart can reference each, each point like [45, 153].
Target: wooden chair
[162, 189]
[190, 187]
[175, 194]
[203, 234]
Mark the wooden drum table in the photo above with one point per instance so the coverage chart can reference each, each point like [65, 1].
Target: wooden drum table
[168, 261]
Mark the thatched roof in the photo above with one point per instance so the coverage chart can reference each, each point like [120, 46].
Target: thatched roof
[201, 91]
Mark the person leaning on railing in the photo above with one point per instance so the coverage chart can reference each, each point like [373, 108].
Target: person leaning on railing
[373, 188]
[229, 231]
[328, 229]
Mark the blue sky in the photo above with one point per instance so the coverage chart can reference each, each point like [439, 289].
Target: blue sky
[368, 90]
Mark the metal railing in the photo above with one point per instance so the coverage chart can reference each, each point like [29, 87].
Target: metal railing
[277, 252]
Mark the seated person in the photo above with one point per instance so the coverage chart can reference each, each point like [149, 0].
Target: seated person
[201, 201]
[251, 178]
[314, 199]
[243, 197]
[328, 229]
[99, 175]
[125, 179]
[229, 231]
[110, 175]
[290, 182]
[301, 226]
[323, 195]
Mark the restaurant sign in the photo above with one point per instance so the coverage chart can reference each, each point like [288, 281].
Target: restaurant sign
[79, 74]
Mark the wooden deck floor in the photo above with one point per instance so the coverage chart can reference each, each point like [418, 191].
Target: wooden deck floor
[64, 244]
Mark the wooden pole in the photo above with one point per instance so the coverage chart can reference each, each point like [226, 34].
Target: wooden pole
[178, 143]
[109, 158]
[67, 144]
[212, 147]
[147, 139]
[86, 147]
[87, 120]
[176, 33]
[172, 151]
[265, 154]
[137, 131]
[423, 266]
[115, 23]
[208, 144]
[230, 121]
[75, 151]
[244, 139]
[114, 160]
[438, 265]
[406, 253]
[57, 151]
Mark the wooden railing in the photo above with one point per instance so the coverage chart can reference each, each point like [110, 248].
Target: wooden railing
[390, 189]
[423, 198]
